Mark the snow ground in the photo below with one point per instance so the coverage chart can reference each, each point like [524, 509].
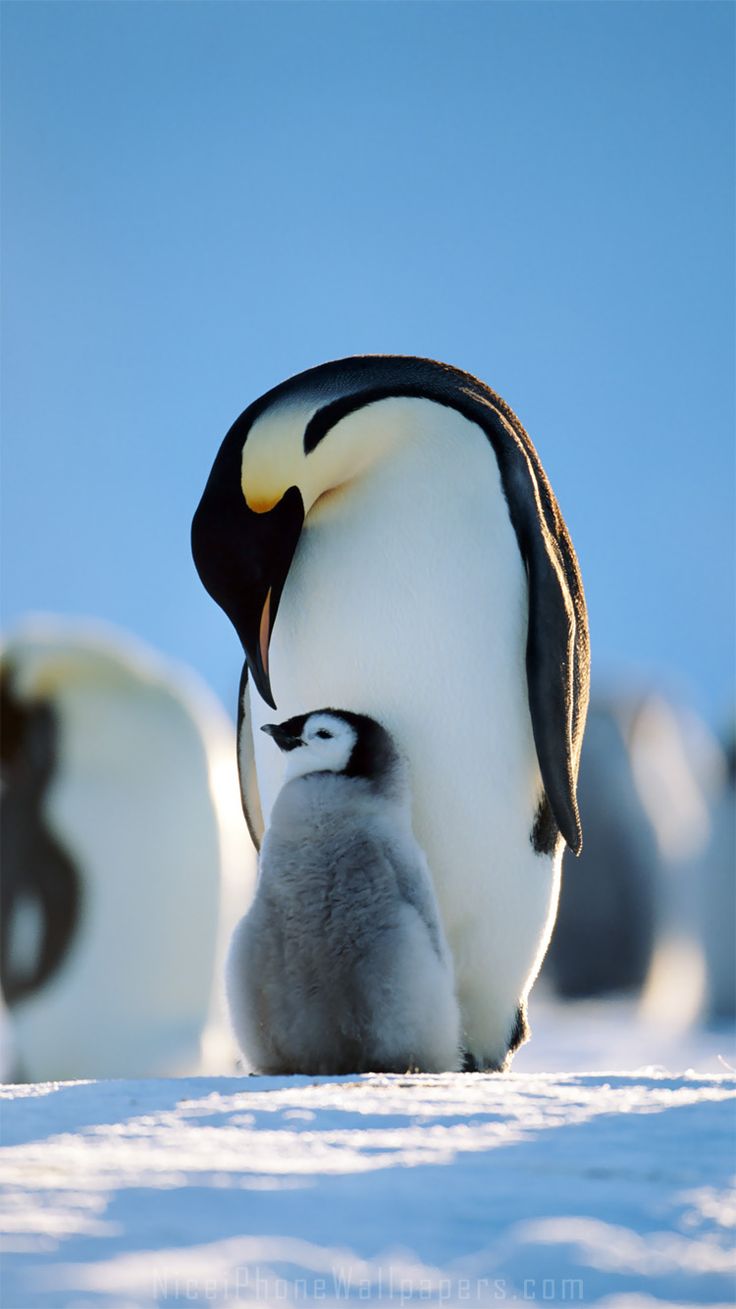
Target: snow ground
[553, 1188]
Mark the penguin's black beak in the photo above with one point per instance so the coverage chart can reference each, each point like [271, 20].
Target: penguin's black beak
[243, 559]
[284, 738]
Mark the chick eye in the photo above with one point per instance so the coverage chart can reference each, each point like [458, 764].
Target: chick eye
[325, 736]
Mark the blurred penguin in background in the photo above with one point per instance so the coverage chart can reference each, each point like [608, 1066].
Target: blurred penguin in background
[341, 965]
[718, 915]
[121, 858]
[650, 907]
[606, 927]
[678, 766]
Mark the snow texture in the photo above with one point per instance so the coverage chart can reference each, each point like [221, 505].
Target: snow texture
[552, 1188]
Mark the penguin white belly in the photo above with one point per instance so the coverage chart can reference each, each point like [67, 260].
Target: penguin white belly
[407, 601]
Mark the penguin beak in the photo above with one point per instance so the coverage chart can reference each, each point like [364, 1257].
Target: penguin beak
[243, 559]
[284, 739]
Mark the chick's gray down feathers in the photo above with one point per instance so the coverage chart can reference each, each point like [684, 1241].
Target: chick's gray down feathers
[341, 964]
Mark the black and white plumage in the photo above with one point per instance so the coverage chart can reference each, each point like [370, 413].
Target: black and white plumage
[119, 806]
[381, 533]
[40, 890]
[341, 963]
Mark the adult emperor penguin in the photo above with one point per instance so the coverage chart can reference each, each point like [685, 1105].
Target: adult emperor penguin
[382, 535]
[341, 964]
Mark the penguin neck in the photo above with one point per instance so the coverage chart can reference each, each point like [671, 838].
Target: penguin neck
[360, 443]
[274, 457]
[393, 458]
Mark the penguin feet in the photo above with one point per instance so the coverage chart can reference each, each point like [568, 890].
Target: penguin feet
[520, 1033]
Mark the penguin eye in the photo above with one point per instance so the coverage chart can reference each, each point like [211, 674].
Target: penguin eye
[325, 735]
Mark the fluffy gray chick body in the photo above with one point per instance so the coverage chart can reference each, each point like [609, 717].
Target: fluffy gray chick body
[341, 964]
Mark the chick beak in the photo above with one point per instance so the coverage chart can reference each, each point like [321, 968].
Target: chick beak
[284, 739]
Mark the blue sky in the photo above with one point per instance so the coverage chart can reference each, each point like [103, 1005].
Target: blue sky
[200, 199]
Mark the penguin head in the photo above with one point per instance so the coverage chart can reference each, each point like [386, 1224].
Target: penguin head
[304, 440]
[336, 741]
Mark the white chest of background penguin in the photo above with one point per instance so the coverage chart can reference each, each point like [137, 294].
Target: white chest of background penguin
[394, 514]
[341, 964]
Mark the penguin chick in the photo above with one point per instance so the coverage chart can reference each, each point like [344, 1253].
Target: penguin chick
[341, 964]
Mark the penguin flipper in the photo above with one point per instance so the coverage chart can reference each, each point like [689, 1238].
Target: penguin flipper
[557, 652]
[557, 678]
[249, 792]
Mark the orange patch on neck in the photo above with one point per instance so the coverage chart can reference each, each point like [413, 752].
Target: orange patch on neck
[261, 504]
